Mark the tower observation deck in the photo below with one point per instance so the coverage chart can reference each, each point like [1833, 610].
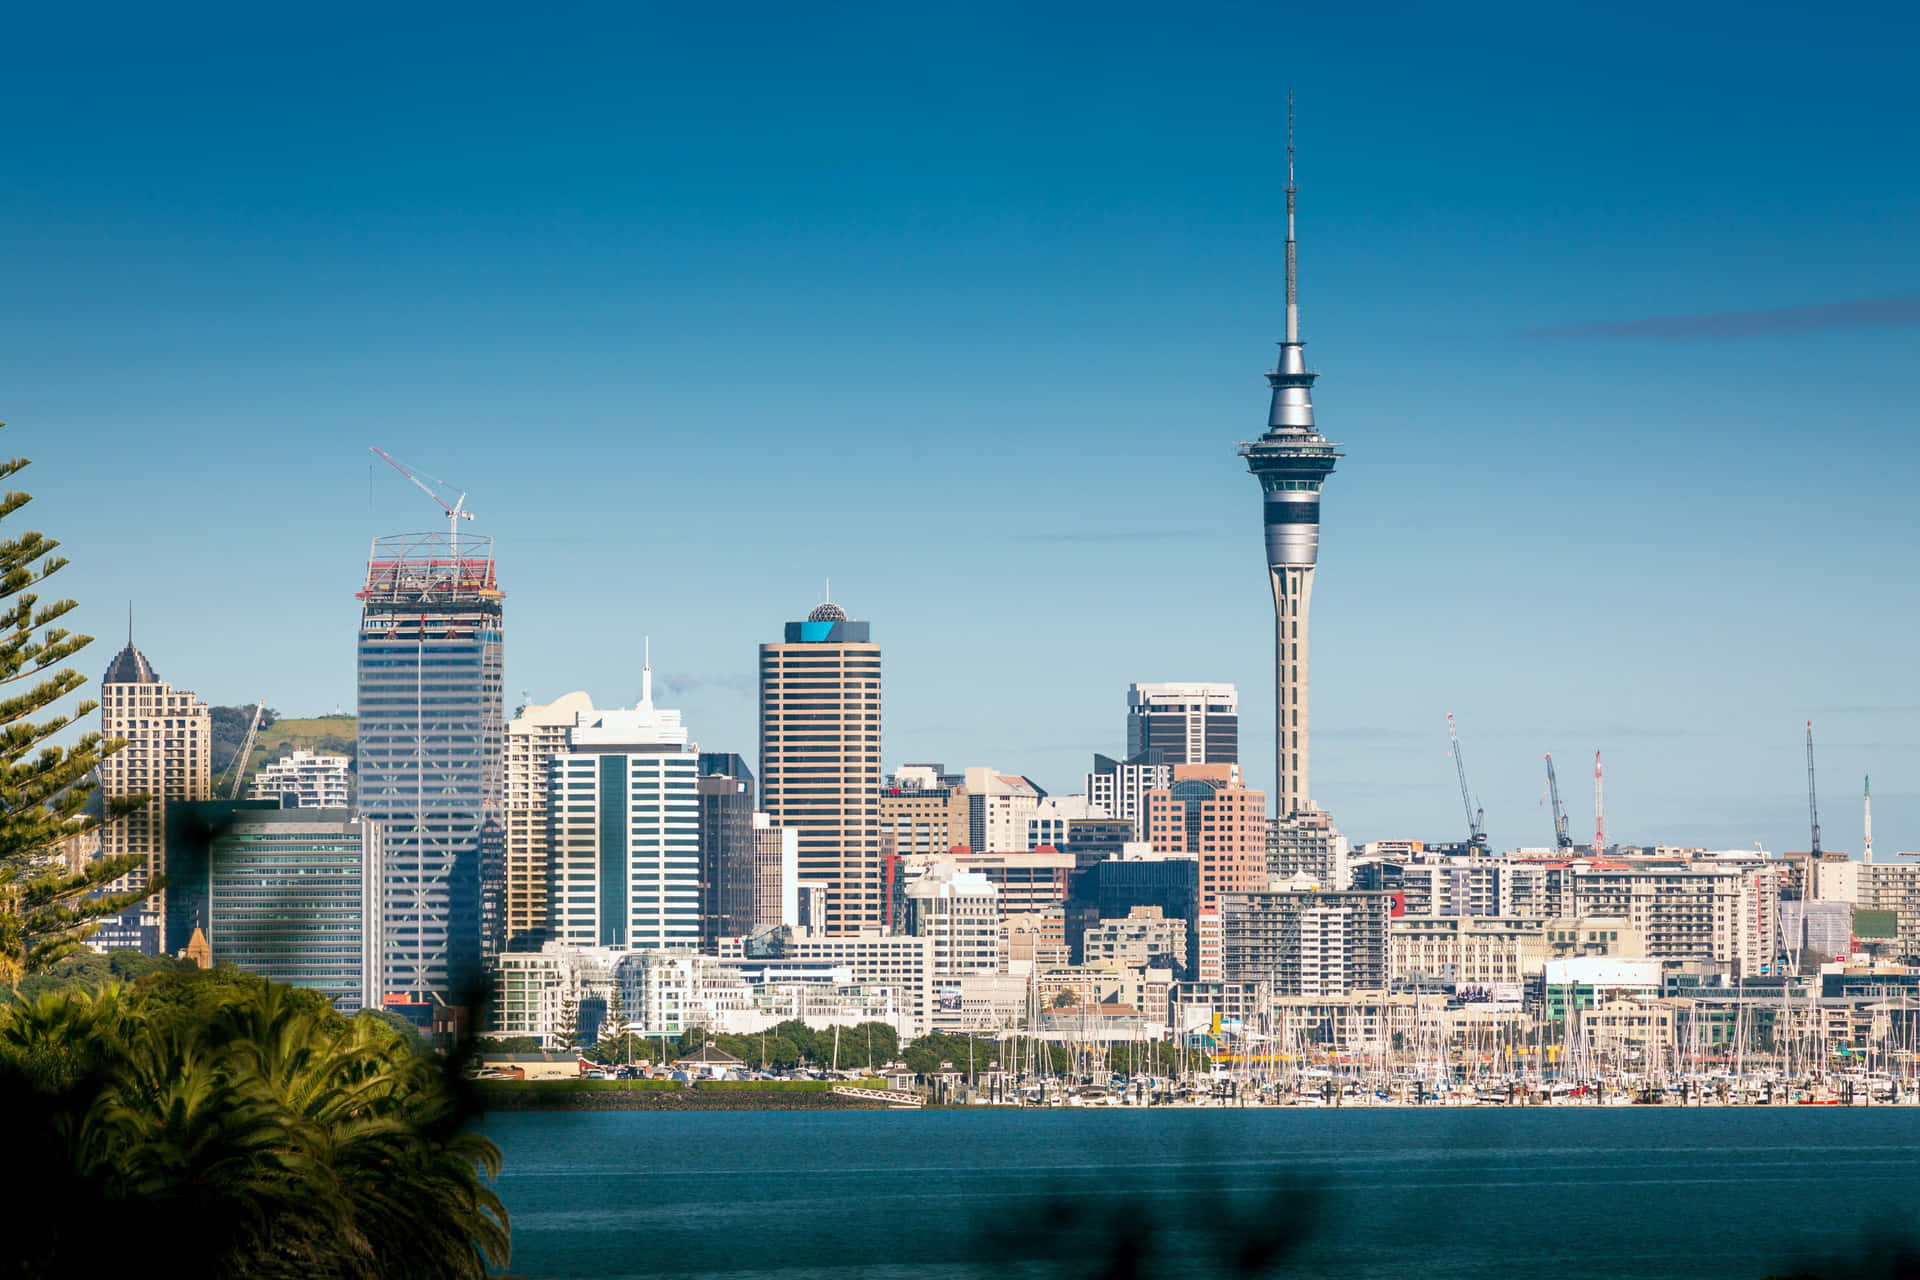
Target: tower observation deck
[1292, 461]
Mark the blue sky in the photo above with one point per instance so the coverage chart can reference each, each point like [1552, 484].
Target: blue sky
[966, 308]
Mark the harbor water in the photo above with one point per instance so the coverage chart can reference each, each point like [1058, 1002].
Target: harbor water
[1603, 1192]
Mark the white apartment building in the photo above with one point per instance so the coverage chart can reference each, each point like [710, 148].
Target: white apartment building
[999, 807]
[1120, 787]
[872, 959]
[1049, 822]
[305, 780]
[624, 823]
[960, 911]
[534, 736]
[1476, 950]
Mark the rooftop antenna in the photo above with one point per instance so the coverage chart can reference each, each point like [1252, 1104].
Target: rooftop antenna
[1293, 302]
[646, 671]
[1868, 855]
[1599, 811]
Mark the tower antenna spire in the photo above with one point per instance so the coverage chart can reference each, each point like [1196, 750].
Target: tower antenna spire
[1293, 299]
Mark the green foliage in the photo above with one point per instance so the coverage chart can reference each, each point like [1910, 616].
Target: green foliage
[90, 971]
[569, 1028]
[229, 733]
[507, 1044]
[46, 912]
[630, 1047]
[793, 1043]
[275, 1136]
[926, 1054]
[784, 1086]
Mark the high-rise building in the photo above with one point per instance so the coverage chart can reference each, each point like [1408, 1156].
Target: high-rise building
[776, 875]
[728, 847]
[1307, 944]
[1187, 723]
[305, 780]
[168, 758]
[293, 895]
[1208, 815]
[1119, 786]
[534, 736]
[820, 760]
[1291, 460]
[624, 812]
[999, 806]
[432, 725]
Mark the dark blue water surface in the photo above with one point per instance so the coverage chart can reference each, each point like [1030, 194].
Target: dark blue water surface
[1547, 1194]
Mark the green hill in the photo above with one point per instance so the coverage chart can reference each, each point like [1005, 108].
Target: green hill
[326, 735]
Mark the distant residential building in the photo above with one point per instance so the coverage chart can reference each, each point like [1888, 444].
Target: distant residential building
[1306, 844]
[999, 806]
[624, 811]
[1306, 943]
[1188, 723]
[902, 962]
[1602, 936]
[728, 849]
[1144, 937]
[305, 780]
[168, 758]
[1111, 890]
[534, 736]
[820, 760]
[431, 743]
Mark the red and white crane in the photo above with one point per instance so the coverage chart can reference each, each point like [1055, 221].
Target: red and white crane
[456, 511]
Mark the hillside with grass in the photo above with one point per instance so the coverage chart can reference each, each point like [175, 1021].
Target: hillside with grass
[325, 735]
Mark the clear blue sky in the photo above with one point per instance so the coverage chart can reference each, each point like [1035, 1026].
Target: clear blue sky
[965, 308]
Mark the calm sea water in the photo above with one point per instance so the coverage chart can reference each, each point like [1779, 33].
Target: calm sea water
[1550, 1194]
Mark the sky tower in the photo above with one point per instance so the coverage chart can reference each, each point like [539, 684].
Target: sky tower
[1291, 461]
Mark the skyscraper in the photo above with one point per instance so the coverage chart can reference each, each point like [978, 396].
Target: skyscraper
[820, 759]
[1187, 723]
[168, 758]
[625, 820]
[1291, 460]
[431, 730]
[727, 847]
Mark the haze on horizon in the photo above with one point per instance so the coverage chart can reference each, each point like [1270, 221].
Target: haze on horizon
[966, 309]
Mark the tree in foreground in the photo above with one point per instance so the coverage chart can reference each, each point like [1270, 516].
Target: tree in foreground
[46, 910]
[264, 1133]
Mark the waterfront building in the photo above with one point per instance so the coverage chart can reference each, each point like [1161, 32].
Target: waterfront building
[1306, 943]
[820, 760]
[1119, 787]
[1186, 723]
[534, 736]
[903, 962]
[305, 780]
[1465, 950]
[1291, 460]
[168, 757]
[999, 808]
[431, 735]
[624, 815]
[729, 850]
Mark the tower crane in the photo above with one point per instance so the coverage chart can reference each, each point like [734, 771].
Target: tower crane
[1476, 816]
[456, 512]
[246, 751]
[1813, 800]
[1561, 838]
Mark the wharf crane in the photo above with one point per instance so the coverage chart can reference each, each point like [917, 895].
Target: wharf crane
[1562, 839]
[1476, 816]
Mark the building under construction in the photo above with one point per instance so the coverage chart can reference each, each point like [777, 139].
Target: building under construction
[431, 738]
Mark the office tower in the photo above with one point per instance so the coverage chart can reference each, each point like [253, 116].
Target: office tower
[921, 815]
[1291, 461]
[776, 875]
[624, 810]
[1092, 840]
[1208, 815]
[727, 847]
[1118, 786]
[535, 735]
[305, 780]
[999, 806]
[960, 910]
[168, 757]
[820, 760]
[1186, 723]
[431, 739]
[293, 895]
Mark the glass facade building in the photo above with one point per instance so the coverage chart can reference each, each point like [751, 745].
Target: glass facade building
[431, 747]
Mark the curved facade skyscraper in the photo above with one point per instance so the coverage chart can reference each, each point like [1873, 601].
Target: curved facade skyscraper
[1292, 460]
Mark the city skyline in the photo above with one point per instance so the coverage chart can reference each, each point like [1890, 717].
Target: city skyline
[1487, 289]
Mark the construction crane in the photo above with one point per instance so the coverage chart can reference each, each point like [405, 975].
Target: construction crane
[1561, 838]
[456, 512]
[1813, 800]
[246, 750]
[1476, 816]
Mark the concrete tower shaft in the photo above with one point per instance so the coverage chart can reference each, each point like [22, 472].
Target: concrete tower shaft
[1291, 460]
